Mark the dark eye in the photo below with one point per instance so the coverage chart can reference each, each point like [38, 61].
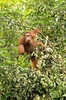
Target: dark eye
[27, 34]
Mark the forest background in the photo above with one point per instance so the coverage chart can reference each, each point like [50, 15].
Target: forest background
[17, 79]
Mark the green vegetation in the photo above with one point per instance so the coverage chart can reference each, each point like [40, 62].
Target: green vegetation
[17, 80]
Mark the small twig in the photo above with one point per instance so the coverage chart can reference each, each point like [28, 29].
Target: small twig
[46, 41]
[39, 38]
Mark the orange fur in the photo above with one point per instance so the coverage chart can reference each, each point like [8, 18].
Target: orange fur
[35, 32]
[27, 44]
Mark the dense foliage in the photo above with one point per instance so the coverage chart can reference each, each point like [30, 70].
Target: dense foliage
[18, 81]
